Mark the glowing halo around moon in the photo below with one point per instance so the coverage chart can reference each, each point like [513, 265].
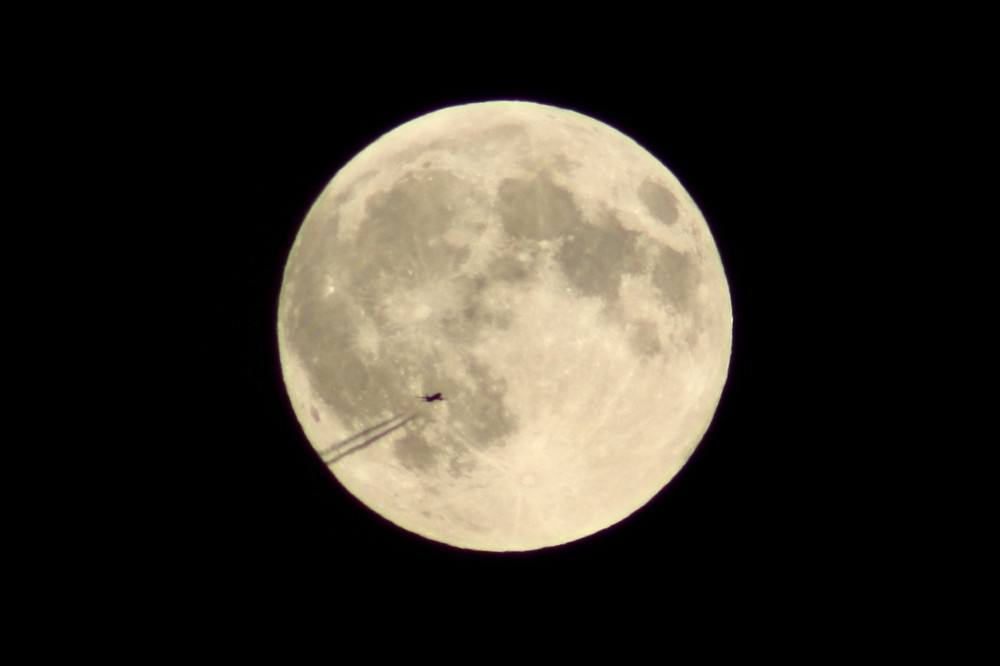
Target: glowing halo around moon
[544, 273]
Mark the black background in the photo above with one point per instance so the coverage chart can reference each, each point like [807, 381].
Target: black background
[761, 511]
[177, 156]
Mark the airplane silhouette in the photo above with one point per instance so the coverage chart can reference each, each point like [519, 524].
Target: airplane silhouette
[430, 398]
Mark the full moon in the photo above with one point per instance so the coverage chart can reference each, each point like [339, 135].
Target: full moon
[544, 274]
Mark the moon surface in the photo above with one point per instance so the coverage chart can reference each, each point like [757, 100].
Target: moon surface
[544, 273]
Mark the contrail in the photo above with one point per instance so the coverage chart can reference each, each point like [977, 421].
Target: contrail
[369, 441]
[341, 444]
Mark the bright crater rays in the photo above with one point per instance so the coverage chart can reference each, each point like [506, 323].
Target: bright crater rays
[545, 274]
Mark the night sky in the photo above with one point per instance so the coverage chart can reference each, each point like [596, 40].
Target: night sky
[750, 515]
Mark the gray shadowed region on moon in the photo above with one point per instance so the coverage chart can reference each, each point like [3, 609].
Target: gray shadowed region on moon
[551, 279]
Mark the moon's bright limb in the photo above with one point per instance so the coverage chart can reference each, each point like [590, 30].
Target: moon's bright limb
[551, 279]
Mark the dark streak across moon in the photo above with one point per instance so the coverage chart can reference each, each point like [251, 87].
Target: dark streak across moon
[339, 446]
